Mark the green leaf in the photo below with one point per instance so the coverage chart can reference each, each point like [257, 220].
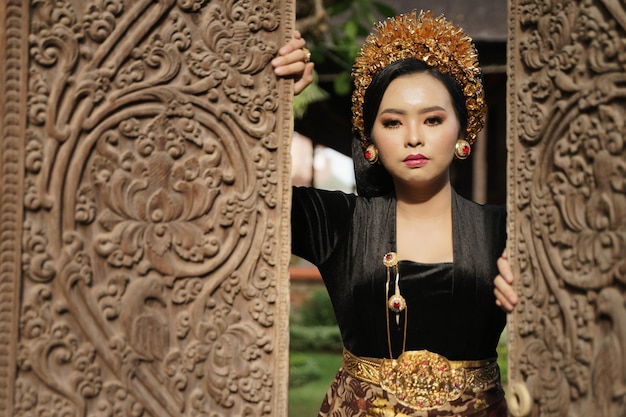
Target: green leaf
[313, 93]
[343, 83]
[351, 28]
[342, 43]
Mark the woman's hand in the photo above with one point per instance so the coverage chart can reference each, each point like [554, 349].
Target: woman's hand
[293, 61]
[506, 297]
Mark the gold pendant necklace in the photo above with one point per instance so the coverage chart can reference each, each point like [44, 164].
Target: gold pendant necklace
[396, 302]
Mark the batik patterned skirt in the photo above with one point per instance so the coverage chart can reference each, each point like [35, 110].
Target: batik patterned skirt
[349, 396]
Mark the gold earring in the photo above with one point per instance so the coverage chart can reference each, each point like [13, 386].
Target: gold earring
[462, 149]
[371, 154]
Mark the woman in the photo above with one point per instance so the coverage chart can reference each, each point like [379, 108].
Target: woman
[408, 263]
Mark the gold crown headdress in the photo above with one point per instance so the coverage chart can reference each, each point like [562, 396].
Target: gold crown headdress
[437, 42]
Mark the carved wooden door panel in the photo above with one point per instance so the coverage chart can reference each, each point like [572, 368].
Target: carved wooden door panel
[567, 201]
[144, 208]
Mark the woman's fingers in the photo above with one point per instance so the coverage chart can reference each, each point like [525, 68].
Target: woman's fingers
[293, 61]
[292, 57]
[506, 297]
[305, 79]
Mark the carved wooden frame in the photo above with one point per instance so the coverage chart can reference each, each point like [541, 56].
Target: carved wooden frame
[144, 207]
[567, 207]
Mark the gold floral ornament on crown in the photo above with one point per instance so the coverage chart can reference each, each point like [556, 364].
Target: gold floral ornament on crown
[434, 40]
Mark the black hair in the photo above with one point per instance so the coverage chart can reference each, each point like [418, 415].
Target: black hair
[374, 180]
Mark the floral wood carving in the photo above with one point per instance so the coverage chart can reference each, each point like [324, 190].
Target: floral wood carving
[153, 145]
[567, 196]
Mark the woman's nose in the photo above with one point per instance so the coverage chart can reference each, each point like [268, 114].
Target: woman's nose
[414, 137]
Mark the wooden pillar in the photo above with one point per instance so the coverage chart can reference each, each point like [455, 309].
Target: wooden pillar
[567, 205]
[144, 208]
[480, 167]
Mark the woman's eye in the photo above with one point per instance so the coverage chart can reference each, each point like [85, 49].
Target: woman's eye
[435, 120]
[391, 123]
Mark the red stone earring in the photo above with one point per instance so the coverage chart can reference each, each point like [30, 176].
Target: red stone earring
[371, 154]
[462, 149]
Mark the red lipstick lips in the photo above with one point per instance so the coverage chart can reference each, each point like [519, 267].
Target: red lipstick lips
[415, 160]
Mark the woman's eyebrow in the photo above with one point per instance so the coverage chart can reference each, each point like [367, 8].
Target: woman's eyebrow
[421, 111]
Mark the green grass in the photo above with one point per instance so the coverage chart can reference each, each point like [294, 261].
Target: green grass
[305, 400]
[502, 350]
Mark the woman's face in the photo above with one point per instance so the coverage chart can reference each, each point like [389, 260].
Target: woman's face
[415, 131]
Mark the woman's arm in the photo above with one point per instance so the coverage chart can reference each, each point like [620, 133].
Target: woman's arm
[319, 219]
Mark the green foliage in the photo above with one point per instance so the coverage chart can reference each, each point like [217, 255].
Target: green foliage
[359, 16]
[315, 338]
[305, 400]
[502, 350]
[317, 310]
[340, 46]
[309, 95]
[315, 354]
[302, 370]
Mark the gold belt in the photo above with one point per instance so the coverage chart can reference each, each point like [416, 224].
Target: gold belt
[420, 378]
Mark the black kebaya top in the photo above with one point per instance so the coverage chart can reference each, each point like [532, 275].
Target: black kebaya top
[451, 307]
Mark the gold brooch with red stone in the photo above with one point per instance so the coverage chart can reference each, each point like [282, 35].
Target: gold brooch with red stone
[396, 302]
